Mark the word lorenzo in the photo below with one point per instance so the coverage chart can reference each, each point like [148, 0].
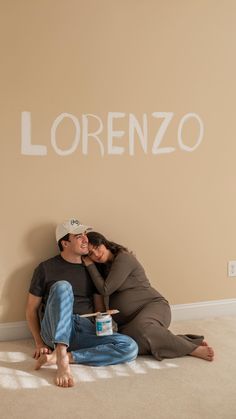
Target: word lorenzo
[136, 132]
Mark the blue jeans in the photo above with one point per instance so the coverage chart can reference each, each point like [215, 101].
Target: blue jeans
[60, 325]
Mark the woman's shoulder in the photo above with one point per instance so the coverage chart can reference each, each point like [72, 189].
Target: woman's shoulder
[126, 256]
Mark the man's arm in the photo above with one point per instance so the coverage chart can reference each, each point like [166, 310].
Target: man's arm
[32, 318]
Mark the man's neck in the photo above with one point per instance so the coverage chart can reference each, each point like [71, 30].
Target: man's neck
[71, 258]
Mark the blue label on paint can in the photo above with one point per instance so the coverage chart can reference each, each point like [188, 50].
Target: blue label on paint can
[104, 325]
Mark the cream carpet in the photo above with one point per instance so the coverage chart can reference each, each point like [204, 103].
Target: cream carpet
[181, 388]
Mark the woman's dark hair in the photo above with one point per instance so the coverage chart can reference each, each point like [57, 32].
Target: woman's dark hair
[96, 239]
[66, 239]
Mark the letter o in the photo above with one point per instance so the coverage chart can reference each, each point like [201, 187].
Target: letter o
[201, 132]
[75, 140]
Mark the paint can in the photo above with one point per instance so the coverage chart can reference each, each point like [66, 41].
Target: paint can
[104, 324]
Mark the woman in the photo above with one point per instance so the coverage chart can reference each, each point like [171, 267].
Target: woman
[144, 314]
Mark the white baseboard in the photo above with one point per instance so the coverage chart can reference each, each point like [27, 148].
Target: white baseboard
[201, 310]
[14, 331]
[205, 309]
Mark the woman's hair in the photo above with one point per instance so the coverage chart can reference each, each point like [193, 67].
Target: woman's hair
[96, 239]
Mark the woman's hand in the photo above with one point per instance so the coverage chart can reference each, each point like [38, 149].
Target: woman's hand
[87, 261]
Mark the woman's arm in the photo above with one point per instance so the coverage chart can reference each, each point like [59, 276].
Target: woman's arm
[121, 268]
[99, 304]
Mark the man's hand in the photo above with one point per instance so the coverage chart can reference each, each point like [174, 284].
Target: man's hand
[41, 349]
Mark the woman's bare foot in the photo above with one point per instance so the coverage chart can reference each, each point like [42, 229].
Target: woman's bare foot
[204, 352]
[64, 377]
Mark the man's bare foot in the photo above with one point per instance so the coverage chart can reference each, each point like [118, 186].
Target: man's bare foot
[46, 359]
[61, 358]
[50, 359]
[204, 352]
[64, 377]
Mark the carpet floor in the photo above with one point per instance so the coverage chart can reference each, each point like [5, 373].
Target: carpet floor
[180, 388]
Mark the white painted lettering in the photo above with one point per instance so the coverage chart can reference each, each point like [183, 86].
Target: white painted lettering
[160, 133]
[111, 134]
[137, 134]
[201, 132]
[26, 147]
[141, 132]
[94, 135]
[75, 143]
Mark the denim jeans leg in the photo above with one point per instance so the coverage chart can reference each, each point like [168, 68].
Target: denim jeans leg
[88, 348]
[58, 317]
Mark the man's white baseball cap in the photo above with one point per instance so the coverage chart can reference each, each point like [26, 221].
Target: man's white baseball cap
[71, 226]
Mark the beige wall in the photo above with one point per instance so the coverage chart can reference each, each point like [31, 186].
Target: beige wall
[175, 210]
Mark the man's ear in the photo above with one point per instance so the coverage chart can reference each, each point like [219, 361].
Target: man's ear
[64, 243]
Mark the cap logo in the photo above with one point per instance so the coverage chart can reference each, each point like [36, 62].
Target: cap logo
[75, 222]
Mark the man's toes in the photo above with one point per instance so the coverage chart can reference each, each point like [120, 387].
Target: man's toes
[70, 382]
[58, 382]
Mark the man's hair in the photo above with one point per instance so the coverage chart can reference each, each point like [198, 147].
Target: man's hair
[65, 238]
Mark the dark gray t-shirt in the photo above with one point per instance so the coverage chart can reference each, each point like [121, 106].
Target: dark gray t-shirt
[58, 269]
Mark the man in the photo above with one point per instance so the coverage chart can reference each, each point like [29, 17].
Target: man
[62, 289]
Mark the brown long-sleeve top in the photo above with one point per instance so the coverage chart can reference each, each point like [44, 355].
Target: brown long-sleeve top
[127, 286]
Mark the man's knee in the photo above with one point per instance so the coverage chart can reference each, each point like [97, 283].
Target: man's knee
[128, 344]
[133, 347]
[61, 286]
